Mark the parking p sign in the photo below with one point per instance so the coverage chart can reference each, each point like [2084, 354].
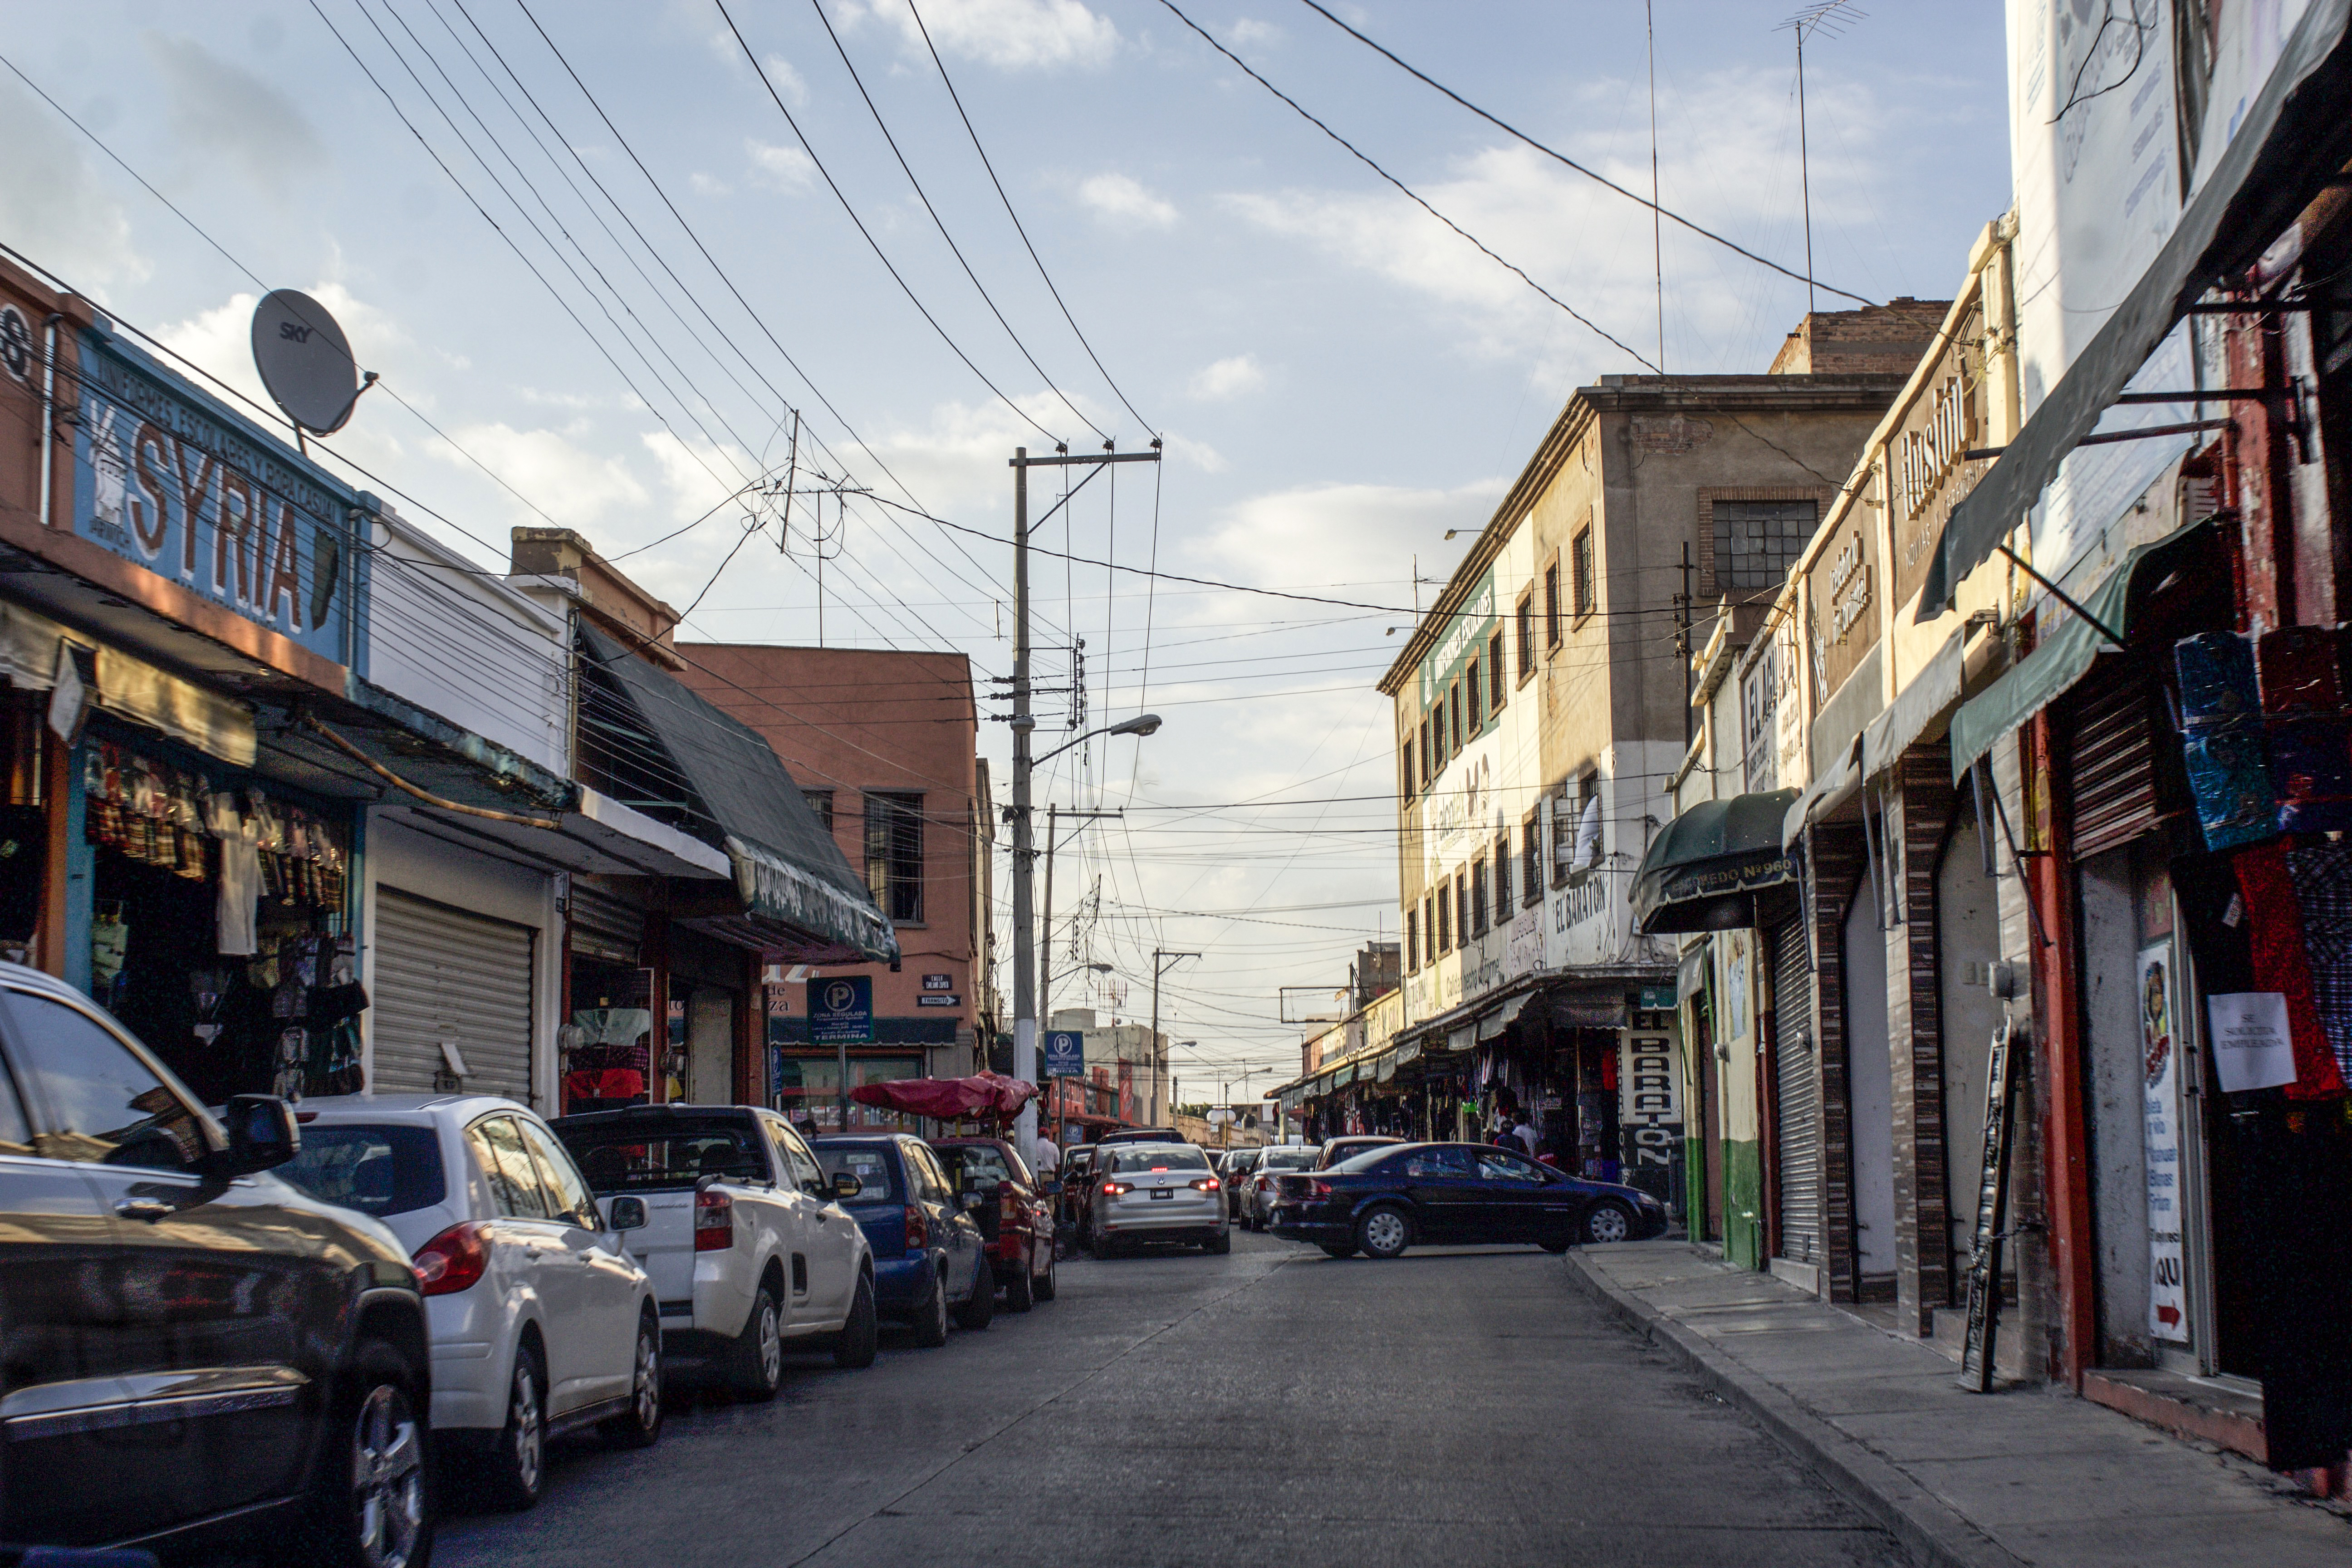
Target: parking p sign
[1066, 1054]
[841, 1010]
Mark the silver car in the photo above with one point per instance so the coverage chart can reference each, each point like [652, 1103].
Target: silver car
[1158, 1192]
[1257, 1193]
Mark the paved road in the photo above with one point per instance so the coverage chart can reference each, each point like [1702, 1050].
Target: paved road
[1271, 1406]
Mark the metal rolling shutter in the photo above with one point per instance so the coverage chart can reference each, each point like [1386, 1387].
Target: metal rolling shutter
[604, 927]
[443, 974]
[1799, 1095]
[2112, 768]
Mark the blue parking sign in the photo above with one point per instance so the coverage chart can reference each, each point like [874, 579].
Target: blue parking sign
[1066, 1054]
[841, 1010]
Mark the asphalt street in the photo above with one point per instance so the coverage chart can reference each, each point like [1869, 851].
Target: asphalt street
[1459, 1406]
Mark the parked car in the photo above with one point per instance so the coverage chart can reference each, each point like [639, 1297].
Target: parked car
[1017, 1224]
[930, 1261]
[1348, 1148]
[750, 1249]
[1385, 1200]
[1233, 1170]
[538, 1321]
[201, 1358]
[1257, 1195]
[1078, 1190]
[1158, 1192]
[1140, 1135]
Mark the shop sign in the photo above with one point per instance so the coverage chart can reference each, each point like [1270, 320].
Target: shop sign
[2160, 1041]
[1843, 583]
[170, 481]
[1792, 736]
[1649, 1106]
[1926, 474]
[841, 1010]
[1759, 705]
[2251, 1047]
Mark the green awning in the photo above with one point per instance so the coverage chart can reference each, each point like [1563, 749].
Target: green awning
[2046, 673]
[1703, 868]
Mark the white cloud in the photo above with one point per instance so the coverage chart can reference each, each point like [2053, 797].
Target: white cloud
[789, 82]
[709, 185]
[1249, 31]
[54, 206]
[223, 113]
[1226, 378]
[221, 339]
[1124, 202]
[1012, 35]
[1292, 536]
[570, 480]
[783, 168]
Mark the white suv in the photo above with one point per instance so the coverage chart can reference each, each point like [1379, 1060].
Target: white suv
[541, 1322]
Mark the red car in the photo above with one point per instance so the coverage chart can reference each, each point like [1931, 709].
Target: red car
[1014, 1210]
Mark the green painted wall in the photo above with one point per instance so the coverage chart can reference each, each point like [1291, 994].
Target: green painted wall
[1743, 1202]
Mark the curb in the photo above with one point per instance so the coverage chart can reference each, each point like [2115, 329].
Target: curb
[1934, 1534]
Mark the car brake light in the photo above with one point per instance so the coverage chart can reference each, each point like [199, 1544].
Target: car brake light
[714, 1222]
[918, 1230]
[1207, 1184]
[453, 1260]
[1116, 1189]
[1320, 1189]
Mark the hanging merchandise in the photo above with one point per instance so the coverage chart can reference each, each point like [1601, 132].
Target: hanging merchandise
[109, 947]
[2308, 731]
[2224, 749]
[2282, 964]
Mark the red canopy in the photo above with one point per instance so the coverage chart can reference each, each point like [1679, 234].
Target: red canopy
[984, 1094]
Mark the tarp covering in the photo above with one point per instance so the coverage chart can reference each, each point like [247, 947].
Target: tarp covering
[2293, 138]
[1918, 712]
[788, 869]
[985, 1093]
[2043, 676]
[215, 724]
[1703, 867]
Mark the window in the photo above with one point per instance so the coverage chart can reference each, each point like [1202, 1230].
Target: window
[107, 1107]
[894, 854]
[567, 1194]
[1439, 1164]
[1406, 794]
[869, 1164]
[1474, 920]
[797, 1158]
[1494, 673]
[1526, 635]
[1462, 904]
[1453, 704]
[1412, 940]
[1551, 605]
[1587, 591]
[1493, 1165]
[923, 1169]
[378, 1171]
[1531, 857]
[1428, 762]
[506, 1166]
[1503, 878]
[1755, 541]
[1445, 917]
[821, 802]
[1470, 693]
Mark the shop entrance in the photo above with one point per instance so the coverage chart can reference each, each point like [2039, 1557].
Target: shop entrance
[1968, 941]
[1870, 1088]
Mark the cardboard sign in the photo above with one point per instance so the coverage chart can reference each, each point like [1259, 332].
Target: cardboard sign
[2251, 1049]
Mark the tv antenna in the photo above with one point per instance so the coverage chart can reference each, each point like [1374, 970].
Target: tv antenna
[1832, 17]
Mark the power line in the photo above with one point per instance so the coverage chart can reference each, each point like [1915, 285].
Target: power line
[1557, 156]
[1413, 196]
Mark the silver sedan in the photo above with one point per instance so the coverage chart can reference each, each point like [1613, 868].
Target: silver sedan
[1158, 1192]
[1257, 1193]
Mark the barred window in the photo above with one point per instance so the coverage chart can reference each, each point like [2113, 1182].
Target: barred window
[1551, 605]
[1470, 685]
[1494, 673]
[1477, 918]
[1412, 940]
[1588, 591]
[1531, 857]
[1407, 792]
[894, 853]
[1428, 762]
[1503, 878]
[1755, 541]
[1443, 904]
[1526, 634]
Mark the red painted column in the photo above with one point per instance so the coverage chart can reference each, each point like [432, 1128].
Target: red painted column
[2058, 1047]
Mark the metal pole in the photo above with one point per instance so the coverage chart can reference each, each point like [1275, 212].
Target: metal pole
[1046, 970]
[841, 1084]
[1025, 975]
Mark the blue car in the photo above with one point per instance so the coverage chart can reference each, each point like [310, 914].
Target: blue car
[930, 1260]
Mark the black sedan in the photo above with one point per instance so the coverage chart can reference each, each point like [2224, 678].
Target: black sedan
[1385, 1200]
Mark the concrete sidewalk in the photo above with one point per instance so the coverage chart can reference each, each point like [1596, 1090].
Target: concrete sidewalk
[1987, 1480]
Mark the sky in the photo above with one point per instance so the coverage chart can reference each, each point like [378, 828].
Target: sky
[601, 253]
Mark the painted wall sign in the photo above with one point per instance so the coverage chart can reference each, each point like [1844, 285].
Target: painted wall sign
[167, 478]
[1649, 1103]
[2160, 1044]
[1844, 584]
[1926, 472]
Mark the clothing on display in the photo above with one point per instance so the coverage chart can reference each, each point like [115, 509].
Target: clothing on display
[2283, 963]
[2322, 876]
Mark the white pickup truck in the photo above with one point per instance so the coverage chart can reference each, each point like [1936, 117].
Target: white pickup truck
[745, 1238]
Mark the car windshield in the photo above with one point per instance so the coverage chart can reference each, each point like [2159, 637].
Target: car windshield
[1156, 1157]
[870, 1164]
[1364, 1159]
[650, 1155]
[1290, 1159]
[976, 1164]
[379, 1171]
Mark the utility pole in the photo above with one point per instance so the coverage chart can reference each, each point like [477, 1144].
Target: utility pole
[1024, 851]
[1159, 1051]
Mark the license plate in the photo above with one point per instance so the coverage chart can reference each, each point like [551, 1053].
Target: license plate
[1162, 1193]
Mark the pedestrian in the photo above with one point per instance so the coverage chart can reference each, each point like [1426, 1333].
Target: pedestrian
[1049, 1159]
[1525, 1134]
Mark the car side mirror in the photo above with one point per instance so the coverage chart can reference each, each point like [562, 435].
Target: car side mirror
[846, 1186]
[624, 1214]
[262, 1133]
[974, 1200]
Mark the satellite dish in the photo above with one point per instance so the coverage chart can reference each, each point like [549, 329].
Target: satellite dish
[305, 361]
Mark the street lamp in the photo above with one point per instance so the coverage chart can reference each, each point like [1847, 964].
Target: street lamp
[1025, 858]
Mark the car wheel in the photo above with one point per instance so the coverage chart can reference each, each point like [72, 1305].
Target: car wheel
[640, 1426]
[1222, 1245]
[516, 1472]
[1608, 1221]
[1021, 1289]
[759, 1369]
[853, 1348]
[373, 1508]
[1044, 1288]
[1338, 1251]
[1383, 1233]
[931, 1317]
[980, 1307]
[1103, 1248]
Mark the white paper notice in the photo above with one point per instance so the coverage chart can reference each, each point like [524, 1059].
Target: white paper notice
[2251, 1049]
